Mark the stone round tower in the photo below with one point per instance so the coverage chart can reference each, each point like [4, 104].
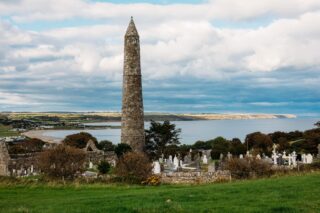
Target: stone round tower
[132, 121]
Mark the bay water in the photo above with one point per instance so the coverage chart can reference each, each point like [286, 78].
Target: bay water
[192, 131]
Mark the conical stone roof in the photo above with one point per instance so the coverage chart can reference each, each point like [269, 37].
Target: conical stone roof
[132, 30]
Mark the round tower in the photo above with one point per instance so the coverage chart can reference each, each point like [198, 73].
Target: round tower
[132, 120]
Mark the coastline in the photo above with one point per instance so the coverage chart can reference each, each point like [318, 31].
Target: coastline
[39, 134]
[158, 116]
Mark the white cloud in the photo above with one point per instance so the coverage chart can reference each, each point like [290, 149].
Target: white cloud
[177, 41]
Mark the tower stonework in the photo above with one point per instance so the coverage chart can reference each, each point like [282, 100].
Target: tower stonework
[132, 120]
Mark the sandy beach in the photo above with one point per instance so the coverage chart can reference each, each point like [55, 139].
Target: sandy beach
[40, 135]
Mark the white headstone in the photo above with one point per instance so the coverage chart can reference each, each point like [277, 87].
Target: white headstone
[212, 167]
[274, 157]
[156, 168]
[205, 159]
[284, 154]
[309, 158]
[258, 156]
[175, 162]
[241, 156]
[289, 159]
[294, 159]
[90, 165]
[303, 158]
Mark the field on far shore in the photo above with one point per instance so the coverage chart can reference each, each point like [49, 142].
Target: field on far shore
[279, 194]
[116, 116]
[6, 131]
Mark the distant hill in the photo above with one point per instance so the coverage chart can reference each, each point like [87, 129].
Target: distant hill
[116, 116]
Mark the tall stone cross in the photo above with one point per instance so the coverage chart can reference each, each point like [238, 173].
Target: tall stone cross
[132, 120]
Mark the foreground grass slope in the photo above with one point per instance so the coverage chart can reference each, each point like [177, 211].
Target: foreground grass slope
[284, 194]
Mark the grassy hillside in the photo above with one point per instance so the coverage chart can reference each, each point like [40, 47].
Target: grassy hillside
[5, 131]
[285, 194]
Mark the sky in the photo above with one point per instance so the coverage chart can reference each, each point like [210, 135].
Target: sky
[214, 56]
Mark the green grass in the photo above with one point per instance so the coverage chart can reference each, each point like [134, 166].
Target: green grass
[5, 131]
[283, 194]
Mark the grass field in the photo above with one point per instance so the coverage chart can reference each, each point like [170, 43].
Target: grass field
[283, 194]
[5, 131]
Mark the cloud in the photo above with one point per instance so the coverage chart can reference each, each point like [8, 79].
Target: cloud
[182, 50]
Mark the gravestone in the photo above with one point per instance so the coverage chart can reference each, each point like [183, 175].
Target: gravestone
[175, 163]
[197, 162]
[304, 158]
[187, 159]
[241, 156]
[229, 155]
[212, 167]
[274, 157]
[294, 158]
[156, 168]
[289, 159]
[221, 156]
[205, 159]
[309, 158]
[161, 160]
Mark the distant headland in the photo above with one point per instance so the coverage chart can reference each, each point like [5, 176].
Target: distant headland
[158, 116]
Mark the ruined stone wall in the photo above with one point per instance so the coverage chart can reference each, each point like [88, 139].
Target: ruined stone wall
[97, 157]
[24, 164]
[195, 177]
[4, 159]
[28, 164]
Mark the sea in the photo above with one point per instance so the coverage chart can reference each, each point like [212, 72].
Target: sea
[192, 131]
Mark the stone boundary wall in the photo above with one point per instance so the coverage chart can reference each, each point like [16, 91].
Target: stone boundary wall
[195, 177]
[4, 159]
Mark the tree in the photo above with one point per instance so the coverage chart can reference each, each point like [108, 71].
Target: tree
[79, 140]
[133, 167]
[104, 167]
[201, 145]
[312, 139]
[159, 136]
[27, 146]
[219, 146]
[283, 143]
[317, 124]
[259, 142]
[106, 146]
[62, 162]
[236, 147]
[122, 148]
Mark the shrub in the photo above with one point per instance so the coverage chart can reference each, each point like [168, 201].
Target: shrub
[153, 180]
[104, 167]
[106, 146]
[248, 168]
[62, 162]
[27, 146]
[122, 148]
[79, 140]
[133, 167]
